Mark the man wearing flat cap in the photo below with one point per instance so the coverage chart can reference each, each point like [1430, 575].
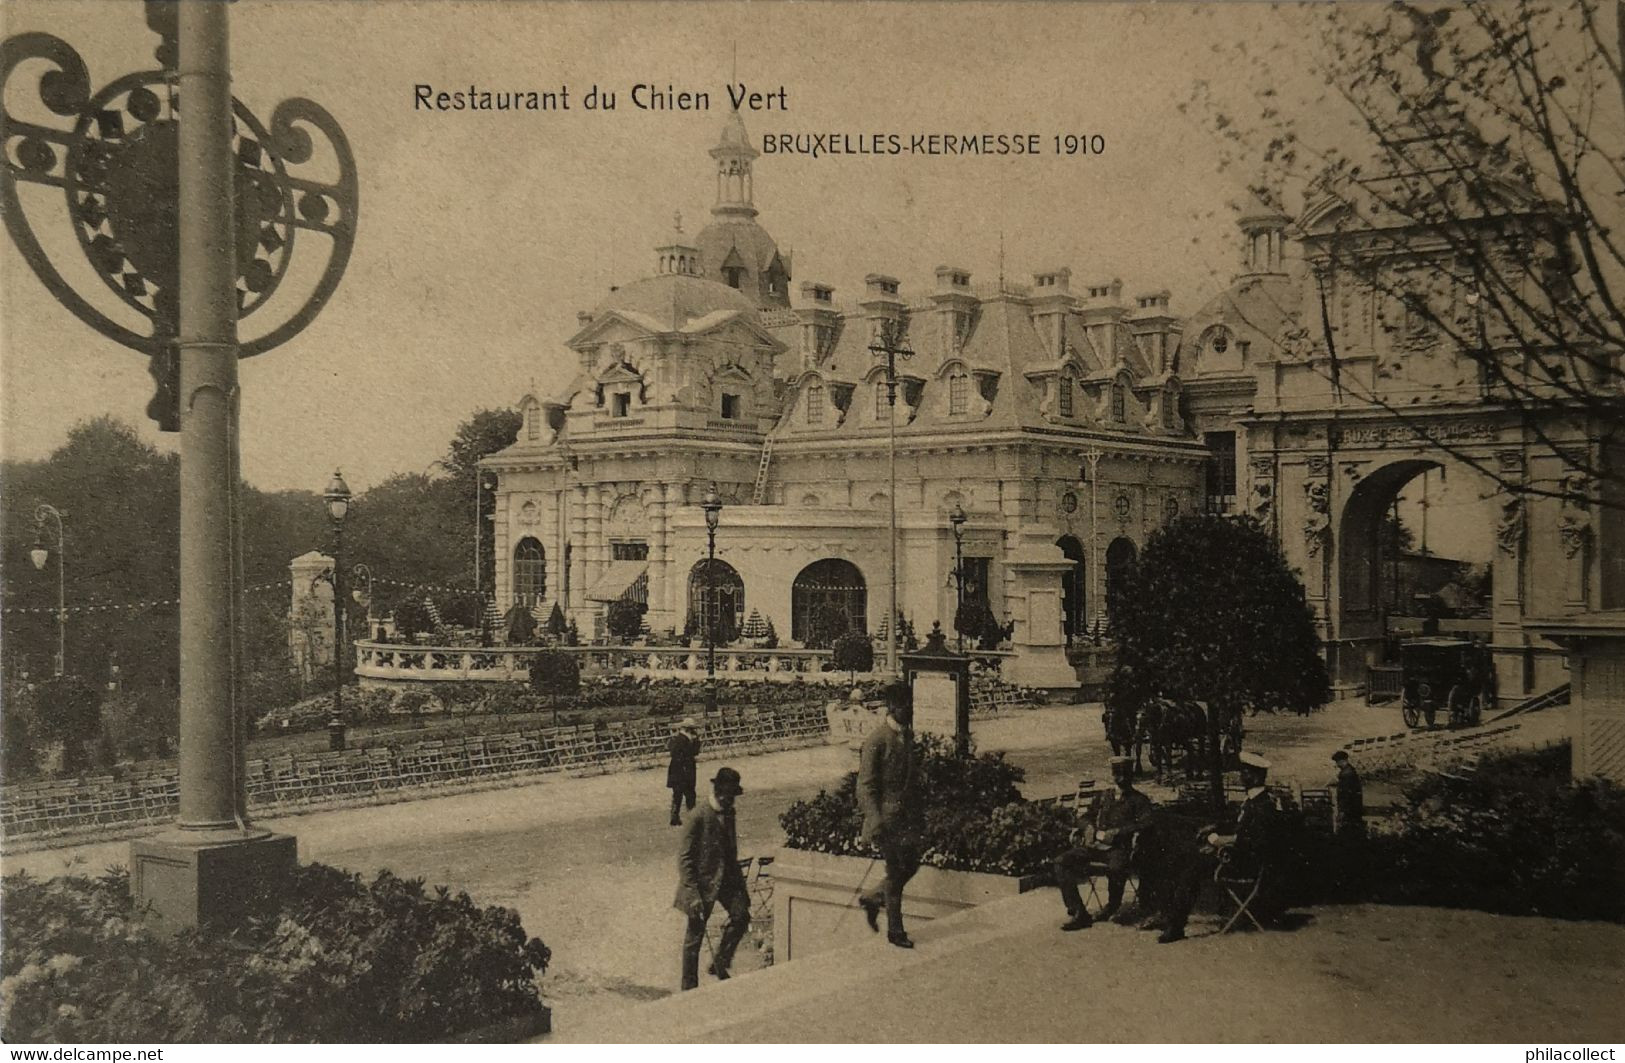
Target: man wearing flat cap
[886, 798]
[1121, 814]
[1251, 847]
[708, 873]
[684, 748]
[1350, 799]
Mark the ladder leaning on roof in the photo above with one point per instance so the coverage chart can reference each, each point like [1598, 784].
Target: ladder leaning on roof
[761, 471]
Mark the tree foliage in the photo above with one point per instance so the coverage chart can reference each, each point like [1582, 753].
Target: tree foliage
[1211, 613]
[1479, 152]
[625, 619]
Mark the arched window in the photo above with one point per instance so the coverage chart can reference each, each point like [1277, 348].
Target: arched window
[1119, 403]
[815, 404]
[828, 599]
[1120, 556]
[958, 394]
[716, 600]
[1074, 590]
[529, 572]
[1066, 396]
[880, 400]
[533, 422]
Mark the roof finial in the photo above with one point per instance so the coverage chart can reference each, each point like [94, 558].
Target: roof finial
[677, 220]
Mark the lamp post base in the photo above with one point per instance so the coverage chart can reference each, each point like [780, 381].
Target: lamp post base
[185, 879]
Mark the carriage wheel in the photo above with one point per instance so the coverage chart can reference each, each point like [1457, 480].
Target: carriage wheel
[1409, 710]
[1475, 710]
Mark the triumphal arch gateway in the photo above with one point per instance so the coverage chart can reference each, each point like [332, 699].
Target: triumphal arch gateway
[1064, 420]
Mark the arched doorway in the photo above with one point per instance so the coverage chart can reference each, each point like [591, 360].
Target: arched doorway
[1074, 618]
[529, 573]
[1414, 544]
[1120, 557]
[716, 596]
[828, 599]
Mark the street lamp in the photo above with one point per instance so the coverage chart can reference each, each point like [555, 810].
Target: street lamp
[712, 504]
[1087, 474]
[480, 485]
[957, 519]
[337, 497]
[39, 555]
[891, 342]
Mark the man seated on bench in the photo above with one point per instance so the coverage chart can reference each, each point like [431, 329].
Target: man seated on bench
[1248, 851]
[1119, 816]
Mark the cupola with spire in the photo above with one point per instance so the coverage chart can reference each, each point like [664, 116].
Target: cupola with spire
[734, 248]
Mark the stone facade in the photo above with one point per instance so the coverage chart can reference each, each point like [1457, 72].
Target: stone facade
[683, 380]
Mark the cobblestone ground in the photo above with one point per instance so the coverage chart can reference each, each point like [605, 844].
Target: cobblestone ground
[589, 862]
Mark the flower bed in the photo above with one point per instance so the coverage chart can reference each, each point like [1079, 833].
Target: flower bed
[329, 959]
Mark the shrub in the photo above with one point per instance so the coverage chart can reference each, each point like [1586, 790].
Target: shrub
[328, 958]
[770, 641]
[625, 620]
[521, 625]
[1515, 837]
[69, 710]
[972, 816]
[18, 759]
[415, 702]
[555, 674]
[854, 653]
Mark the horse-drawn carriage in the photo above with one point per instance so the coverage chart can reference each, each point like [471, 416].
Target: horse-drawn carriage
[1457, 675]
[1169, 730]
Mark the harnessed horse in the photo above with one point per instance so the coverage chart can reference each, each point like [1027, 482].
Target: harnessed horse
[1122, 732]
[1166, 725]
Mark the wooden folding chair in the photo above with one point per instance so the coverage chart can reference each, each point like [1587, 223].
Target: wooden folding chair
[1242, 889]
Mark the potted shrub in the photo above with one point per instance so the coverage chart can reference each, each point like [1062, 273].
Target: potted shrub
[555, 674]
[625, 620]
[854, 653]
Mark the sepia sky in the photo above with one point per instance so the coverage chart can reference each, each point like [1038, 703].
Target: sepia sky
[482, 234]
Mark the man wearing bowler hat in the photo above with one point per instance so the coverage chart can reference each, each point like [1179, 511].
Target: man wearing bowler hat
[708, 872]
[680, 773]
[1121, 814]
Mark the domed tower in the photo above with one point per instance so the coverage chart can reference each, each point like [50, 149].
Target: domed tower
[1263, 226]
[734, 247]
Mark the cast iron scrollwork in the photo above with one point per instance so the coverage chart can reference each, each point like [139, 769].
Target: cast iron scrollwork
[117, 165]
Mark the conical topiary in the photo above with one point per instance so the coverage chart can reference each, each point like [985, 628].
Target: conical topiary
[755, 627]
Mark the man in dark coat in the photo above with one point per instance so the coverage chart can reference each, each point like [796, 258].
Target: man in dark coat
[1350, 799]
[707, 873]
[885, 797]
[1252, 848]
[1121, 814]
[684, 748]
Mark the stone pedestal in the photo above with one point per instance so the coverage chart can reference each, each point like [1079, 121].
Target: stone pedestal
[186, 881]
[1033, 577]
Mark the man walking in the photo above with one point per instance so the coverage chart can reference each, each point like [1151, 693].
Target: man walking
[707, 873]
[684, 748]
[1121, 814]
[885, 784]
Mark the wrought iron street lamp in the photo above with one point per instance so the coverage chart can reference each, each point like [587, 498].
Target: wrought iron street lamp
[337, 497]
[712, 504]
[891, 343]
[957, 519]
[39, 555]
[1088, 474]
[188, 217]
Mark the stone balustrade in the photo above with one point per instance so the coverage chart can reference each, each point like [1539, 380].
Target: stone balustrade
[382, 662]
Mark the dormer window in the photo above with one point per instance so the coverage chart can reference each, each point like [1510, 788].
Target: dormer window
[1066, 396]
[958, 395]
[880, 400]
[1221, 343]
[533, 422]
[734, 276]
[1119, 403]
[730, 407]
[815, 404]
[621, 404]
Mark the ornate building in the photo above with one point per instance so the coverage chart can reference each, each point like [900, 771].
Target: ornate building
[708, 370]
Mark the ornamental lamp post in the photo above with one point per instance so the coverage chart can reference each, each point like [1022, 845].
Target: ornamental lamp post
[712, 504]
[957, 519]
[186, 216]
[1088, 474]
[891, 343]
[337, 497]
[39, 555]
